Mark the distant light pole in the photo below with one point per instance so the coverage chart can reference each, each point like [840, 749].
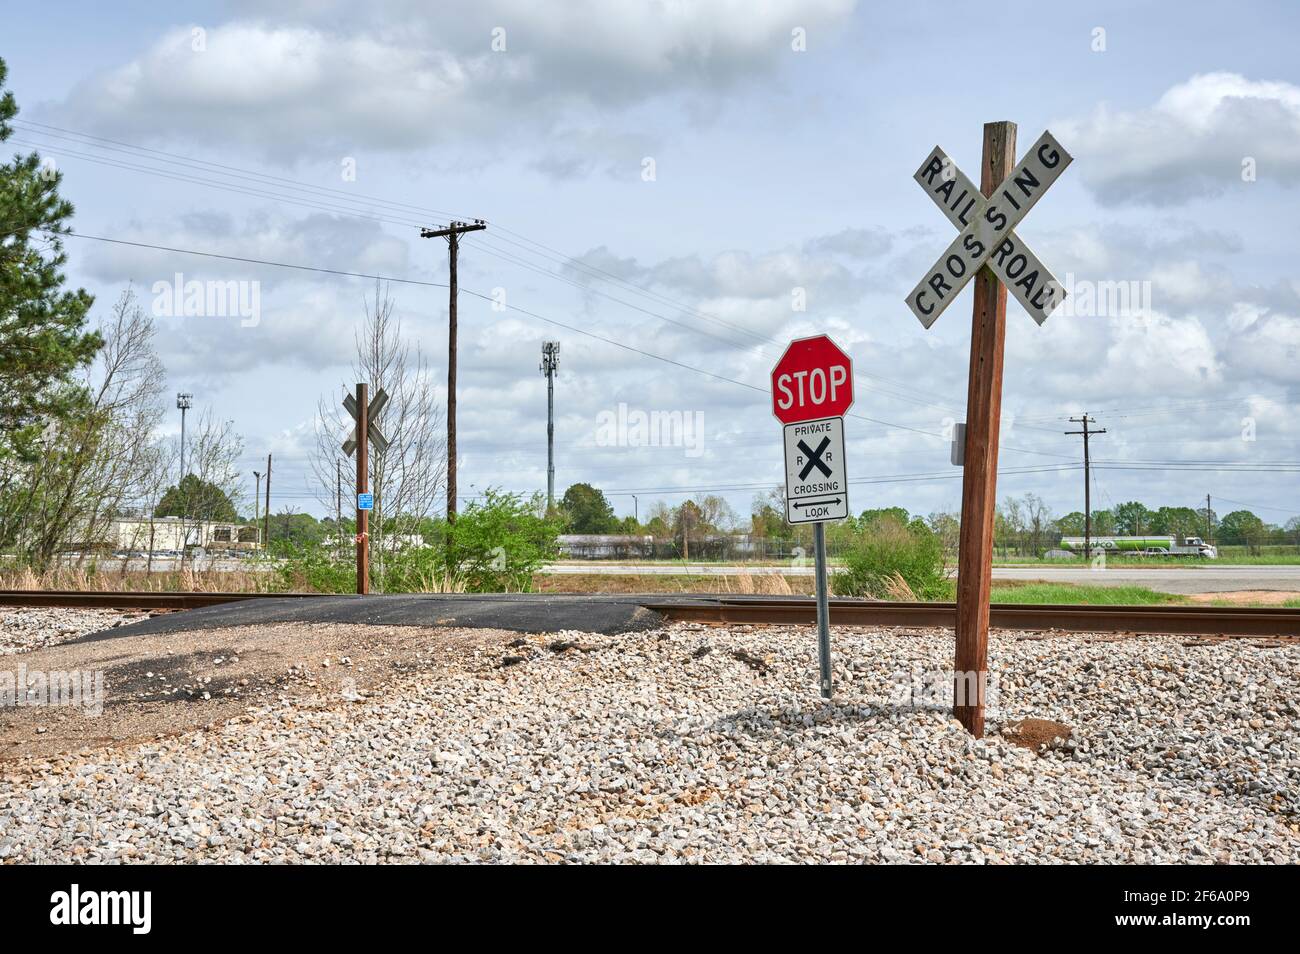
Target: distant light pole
[184, 401]
[636, 511]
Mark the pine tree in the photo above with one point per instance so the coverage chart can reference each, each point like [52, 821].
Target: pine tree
[43, 335]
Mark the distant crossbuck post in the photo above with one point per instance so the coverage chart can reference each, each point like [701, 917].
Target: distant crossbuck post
[365, 431]
[986, 217]
[988, 235]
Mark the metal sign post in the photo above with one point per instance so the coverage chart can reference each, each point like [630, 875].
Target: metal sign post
[823, 610]
[366, 432]
[988, 251]
[812, 388]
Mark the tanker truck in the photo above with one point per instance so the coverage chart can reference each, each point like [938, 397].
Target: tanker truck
[1159, 545]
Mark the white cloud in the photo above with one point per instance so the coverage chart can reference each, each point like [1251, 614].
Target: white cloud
[1263, 347]
[1191, 142]
[340, 77]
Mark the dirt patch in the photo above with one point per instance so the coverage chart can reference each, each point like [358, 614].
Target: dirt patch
[162, 684]
[1036, 733]
[1246, 597]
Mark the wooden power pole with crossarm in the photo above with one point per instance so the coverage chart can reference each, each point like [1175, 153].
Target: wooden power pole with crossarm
[452, 234]
[1087, 478]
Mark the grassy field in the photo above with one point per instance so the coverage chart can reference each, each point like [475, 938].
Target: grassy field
[1004, 591]
[1194, 562]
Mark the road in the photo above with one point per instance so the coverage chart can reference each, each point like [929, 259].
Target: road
[1196, 578]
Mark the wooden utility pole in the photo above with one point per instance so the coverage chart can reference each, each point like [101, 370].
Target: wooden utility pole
[266, 510]
[363, 477]
[452, 234]
[979, 480]
[1087, 479]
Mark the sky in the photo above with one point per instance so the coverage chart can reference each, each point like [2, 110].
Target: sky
[675, 190]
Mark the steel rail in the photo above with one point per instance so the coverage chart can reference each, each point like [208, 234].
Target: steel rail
[1273, 622]
[132, 599]
[1187, 620]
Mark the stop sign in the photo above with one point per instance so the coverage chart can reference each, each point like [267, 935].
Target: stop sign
[813, 379]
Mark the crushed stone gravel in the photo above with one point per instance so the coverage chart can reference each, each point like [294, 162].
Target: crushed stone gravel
[24, 629]
[694, 743]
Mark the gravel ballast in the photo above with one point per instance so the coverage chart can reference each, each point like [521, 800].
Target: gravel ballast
[709, 744]
[22, 630]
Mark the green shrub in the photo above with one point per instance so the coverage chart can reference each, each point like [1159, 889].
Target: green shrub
[494, 546]
[498, 543]
[885, 550]
[312, 568]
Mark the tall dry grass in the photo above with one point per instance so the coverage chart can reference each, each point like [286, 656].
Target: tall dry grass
[172, 581]
[761, 584]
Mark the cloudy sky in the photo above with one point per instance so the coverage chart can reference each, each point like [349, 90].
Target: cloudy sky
[667, 180]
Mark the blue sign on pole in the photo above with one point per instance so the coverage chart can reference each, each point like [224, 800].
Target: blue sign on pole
[365, 501]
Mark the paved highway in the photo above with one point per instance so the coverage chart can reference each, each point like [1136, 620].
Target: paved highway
[1195, 578]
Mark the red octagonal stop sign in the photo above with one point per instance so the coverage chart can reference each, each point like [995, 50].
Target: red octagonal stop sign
[813, 379]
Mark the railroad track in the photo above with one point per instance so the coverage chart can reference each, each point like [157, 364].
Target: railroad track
[132, 600]
[1190, 620]
[1277, 622]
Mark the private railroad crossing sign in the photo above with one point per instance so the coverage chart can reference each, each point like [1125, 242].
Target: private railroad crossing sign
[372, 429]
[987, 227]
[815, 485]
[812, 389]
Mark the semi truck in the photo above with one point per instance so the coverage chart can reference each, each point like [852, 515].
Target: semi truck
[1159, 545]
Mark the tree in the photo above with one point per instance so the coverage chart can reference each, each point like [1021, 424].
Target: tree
[1039, 524]
[408, 478]
[101, 459]
[1179, 521]
[43, 339]
[1072, 524]
[716, 514]
[868, 518]
[587, 510]
[194, 498]
[687, 521]
[660, 522]
[1132, 519]
[299, 529]
[947, 527]
[1241, 527]
[1103, 523]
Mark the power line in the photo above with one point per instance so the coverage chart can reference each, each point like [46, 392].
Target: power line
[487, 298]
[337, 195]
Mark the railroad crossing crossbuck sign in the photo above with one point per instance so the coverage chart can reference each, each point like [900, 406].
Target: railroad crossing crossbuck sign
[372, 429]
[987, 227]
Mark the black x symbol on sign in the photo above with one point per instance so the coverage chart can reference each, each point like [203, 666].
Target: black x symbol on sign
[814, 458]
